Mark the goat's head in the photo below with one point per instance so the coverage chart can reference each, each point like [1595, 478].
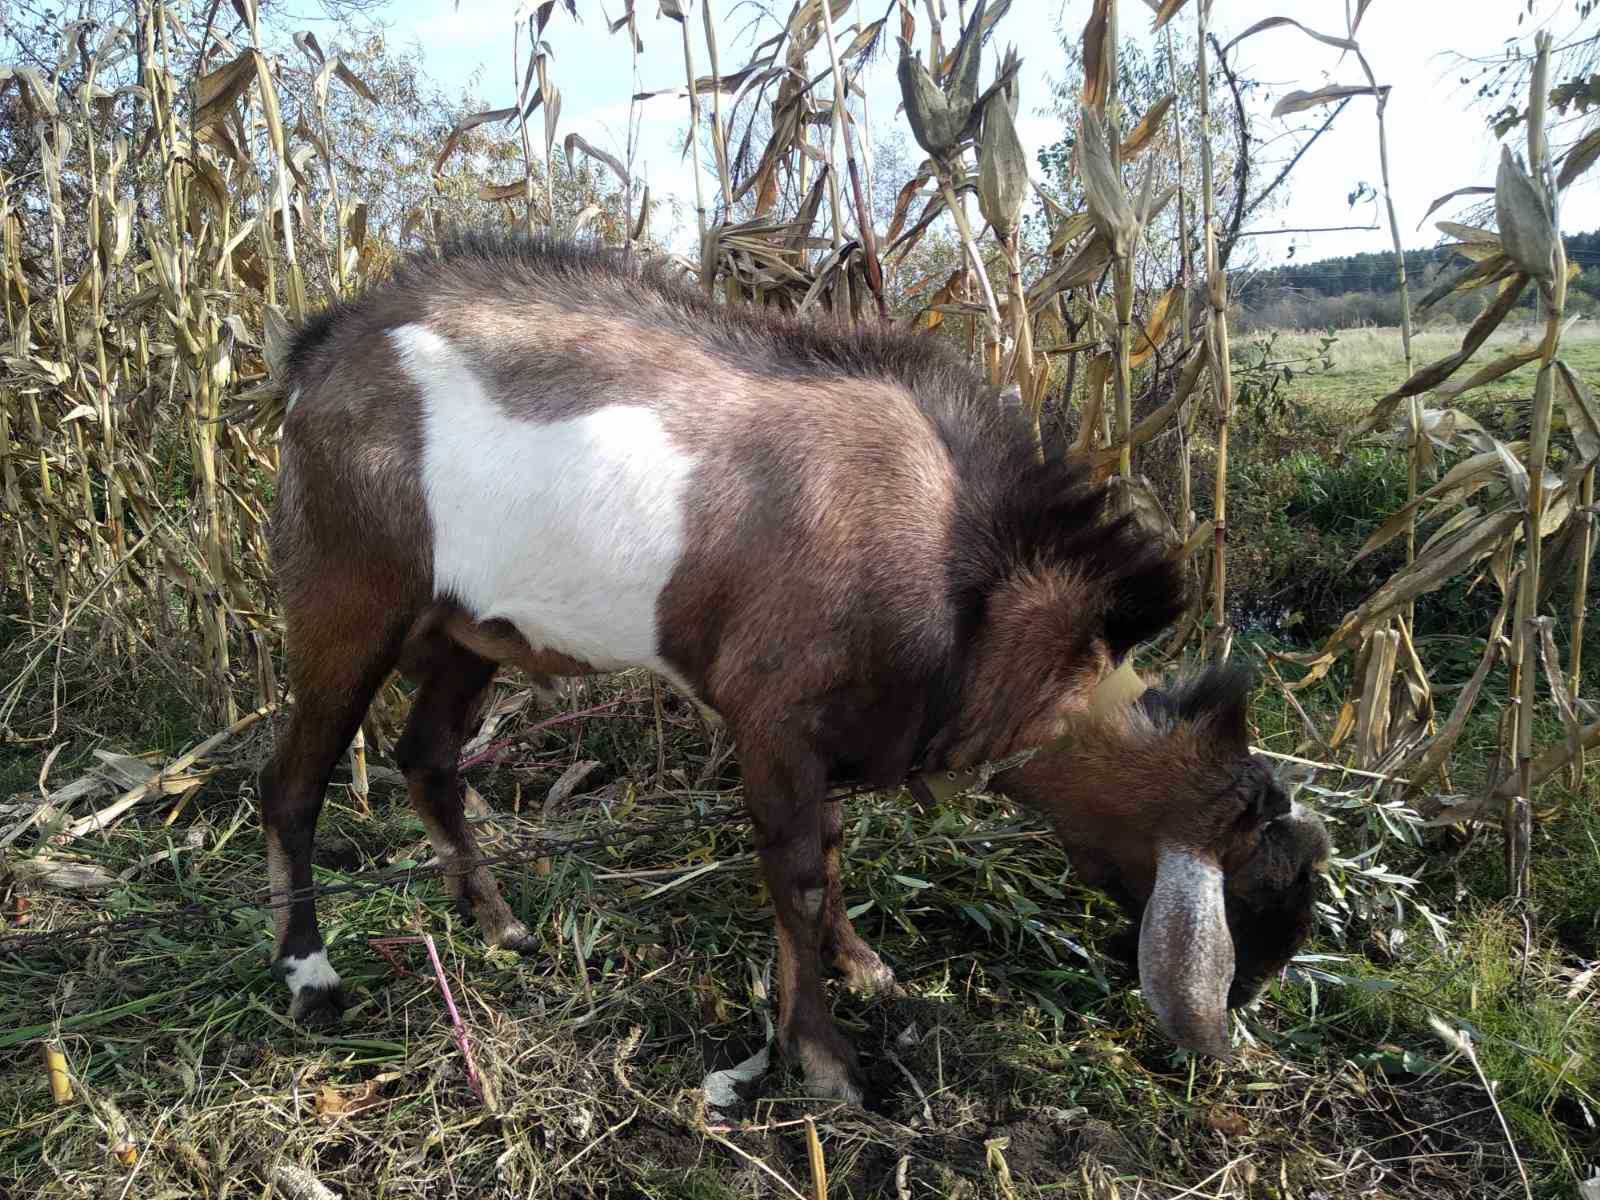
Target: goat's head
[1160, 802]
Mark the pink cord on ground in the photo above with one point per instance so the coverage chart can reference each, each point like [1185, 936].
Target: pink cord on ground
[457, 1025]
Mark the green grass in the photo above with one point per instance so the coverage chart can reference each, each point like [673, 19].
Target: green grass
[1019, 1063]
[1367, 363]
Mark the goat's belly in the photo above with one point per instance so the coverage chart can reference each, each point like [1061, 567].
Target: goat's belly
[568, 530]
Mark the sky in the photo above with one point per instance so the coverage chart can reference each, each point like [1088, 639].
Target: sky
[1436, 141]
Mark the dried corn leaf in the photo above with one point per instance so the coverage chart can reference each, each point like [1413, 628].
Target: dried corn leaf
[330, 1102]
[354, 82]
[785, 130]
[1458, 485]
[1094, 398]
[552, 114]
[1108, 201]
[1295, 102]
[1468, 233]
[1165, 11]
[1449, 196]
[1550, 659]
[993, 14]
[1344, 726]
[277, 337]
[465, 125]
[902, 204]
[1426, 574]
[62, 875]
[1157, 421]
[1435, 373]
[1372, 716]
[1337, 43]
[1516, 474]
[216, 91]
[867, 37]
[576, 141]
[1070, 230]
[1155, 328]
[1495, 370]
[495, 192]
[1083, 268]
[1450, 528]
[1143, 134]
[1487, 268]
[1097, 64]
[1582, 412]
[942, 298]
[1580, 158]
[1430, 756]
[310, 47]
[37, 90]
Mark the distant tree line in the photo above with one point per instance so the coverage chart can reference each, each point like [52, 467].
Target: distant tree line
[1360, 289]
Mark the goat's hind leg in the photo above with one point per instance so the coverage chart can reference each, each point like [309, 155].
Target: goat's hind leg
[451, 678]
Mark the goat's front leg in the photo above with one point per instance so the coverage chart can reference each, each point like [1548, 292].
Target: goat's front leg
[842, 948]
[785, 798]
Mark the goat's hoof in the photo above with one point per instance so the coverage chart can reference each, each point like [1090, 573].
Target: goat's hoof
[516, 937]
[319, 1007]
[834, 1081]
[870, 977]
[828, 1065]
[318, 993]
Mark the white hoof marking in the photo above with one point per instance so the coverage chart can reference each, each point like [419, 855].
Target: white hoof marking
[312, 971]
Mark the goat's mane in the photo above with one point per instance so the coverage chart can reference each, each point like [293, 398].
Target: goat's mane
[1017, 510]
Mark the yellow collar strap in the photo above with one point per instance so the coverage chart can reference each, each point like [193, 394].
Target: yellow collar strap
[1121, 687]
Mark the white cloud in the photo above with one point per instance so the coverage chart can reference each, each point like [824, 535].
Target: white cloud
[468, 23]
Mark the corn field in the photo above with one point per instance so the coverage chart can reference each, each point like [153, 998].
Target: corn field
[175, 202]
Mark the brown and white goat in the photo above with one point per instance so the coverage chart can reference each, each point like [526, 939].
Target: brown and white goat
[530, 454]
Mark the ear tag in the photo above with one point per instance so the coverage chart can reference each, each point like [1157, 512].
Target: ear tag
[1117, 690]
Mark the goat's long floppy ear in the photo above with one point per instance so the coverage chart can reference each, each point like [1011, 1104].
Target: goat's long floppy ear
[1186, 952]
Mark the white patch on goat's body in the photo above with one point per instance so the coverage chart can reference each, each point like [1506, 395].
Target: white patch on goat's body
[567, 529]
[310, 971]
[294, 398]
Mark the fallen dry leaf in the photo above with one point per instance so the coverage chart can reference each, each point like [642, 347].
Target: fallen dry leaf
[1227, 1122]
[332, 1102]
[62, 875]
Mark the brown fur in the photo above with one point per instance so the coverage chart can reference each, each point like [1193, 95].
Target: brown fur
[879, 570]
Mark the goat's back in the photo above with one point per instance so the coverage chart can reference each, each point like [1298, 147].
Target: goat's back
[628, 473]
